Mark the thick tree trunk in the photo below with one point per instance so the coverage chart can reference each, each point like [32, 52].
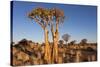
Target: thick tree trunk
[55, 49]
[55, 36]
[47, 56]
[56, 43]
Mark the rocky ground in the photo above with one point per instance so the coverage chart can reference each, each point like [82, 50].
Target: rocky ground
[27, 52]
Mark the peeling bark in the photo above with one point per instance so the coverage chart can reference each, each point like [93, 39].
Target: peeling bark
[47, 56]
[55, 36]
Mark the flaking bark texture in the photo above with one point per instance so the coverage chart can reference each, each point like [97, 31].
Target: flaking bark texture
[55, 36]
[47, 47]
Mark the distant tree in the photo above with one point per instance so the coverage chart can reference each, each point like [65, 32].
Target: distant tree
[83, 41]
[66, 37]
[61, 42]
[73, 42]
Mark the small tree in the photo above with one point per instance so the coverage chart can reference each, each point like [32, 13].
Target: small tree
[73, 42]
[61, 42]
[83, 41]
[66, 37]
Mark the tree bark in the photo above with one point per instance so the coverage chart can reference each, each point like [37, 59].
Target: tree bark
[47, 56]
[55, 36]
[56, 43]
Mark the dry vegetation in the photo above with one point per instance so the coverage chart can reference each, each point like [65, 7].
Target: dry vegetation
[29, 53]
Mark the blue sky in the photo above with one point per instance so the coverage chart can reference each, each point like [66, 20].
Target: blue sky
[80, 22]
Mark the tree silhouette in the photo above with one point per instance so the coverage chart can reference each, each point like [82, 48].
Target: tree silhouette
[73, 42]
[66, 37]
[83, 41]
[61, 41]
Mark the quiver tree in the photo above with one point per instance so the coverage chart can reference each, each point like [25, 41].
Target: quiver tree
[57, 18]
[52, 18]
[40, 16]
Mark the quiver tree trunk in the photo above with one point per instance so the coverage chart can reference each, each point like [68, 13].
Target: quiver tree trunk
[55, 49]
[56, 43]
[55, 36]
[47, 56]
